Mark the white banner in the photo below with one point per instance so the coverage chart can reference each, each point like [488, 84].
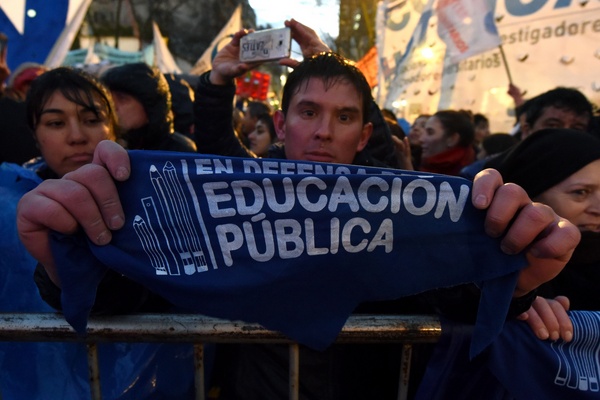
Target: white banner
[548, 43]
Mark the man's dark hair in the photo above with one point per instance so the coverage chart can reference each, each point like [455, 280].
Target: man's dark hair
[562, 98]
[331, 68]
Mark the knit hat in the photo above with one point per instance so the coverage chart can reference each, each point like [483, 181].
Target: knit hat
[546, 158]
[146, 84]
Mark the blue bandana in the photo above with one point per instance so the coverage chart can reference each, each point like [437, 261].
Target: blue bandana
[517, 365]
[294, 246]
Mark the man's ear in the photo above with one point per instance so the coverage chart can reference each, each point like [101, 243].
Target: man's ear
[279, 122]
[365, 135]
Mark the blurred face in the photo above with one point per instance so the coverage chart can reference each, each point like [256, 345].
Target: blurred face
[129, 110]
[434, 140]
[417, 129]
[323, 125]
[260, 139]
[67, 133]
[577, 198]
[482, 129]
[553, 117]
[248, 123]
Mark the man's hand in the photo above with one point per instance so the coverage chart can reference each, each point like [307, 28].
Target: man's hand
[86, 198]
[308, 40]
[548, 318]
[227, 65]
[547, 240]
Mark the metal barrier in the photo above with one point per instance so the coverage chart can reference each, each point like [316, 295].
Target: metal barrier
[197, 329]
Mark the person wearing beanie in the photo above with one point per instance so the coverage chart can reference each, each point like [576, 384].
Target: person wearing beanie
[143, 104]
[561, 168]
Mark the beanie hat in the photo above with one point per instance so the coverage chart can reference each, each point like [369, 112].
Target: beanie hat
[147, 85]
[546, 158]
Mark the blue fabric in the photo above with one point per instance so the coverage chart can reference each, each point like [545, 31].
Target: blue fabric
[59, 371]
[555, 370]
[294, 246]
[517, 365]
[40, 33]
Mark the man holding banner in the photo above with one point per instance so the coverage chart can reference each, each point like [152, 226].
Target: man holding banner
[324, 127]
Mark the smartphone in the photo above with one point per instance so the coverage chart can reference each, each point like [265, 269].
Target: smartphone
[265, 45]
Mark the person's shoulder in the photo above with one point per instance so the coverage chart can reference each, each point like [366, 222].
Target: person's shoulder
[180, 142]
[473, 169]
[16, 180]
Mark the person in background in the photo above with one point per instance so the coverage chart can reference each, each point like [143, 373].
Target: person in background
[482, 129]
[557, 108]
[182, 96]
[561, 168]
[417, 129]
[17, 143]
[496, 144]
[263, 135]
[144, 107]
[447, 144]
[251, 111]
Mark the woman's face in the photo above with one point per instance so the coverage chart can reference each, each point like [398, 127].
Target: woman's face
[260, 139]
[577, 198]
[417, 130]
[433, 140]
[67, 133]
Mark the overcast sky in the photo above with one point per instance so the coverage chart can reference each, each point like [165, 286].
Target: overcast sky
[321, 15]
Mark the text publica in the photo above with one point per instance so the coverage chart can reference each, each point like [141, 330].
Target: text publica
[243, 205]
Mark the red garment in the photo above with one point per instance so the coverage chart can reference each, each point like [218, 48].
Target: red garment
[449, 162]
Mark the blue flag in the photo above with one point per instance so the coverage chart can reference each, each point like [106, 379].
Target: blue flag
[294, 246]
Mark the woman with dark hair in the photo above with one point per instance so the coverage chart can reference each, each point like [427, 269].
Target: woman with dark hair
[263, 135]
[69, 112]
[447, 144]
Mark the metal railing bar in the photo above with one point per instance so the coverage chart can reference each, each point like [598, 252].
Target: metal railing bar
[94, 371]
[294, 370]
[199, 371]
[406, 357]
[193, 328]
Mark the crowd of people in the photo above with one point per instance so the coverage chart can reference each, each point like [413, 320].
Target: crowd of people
[539, 187]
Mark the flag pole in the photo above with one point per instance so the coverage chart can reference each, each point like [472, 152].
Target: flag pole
[505, 64]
